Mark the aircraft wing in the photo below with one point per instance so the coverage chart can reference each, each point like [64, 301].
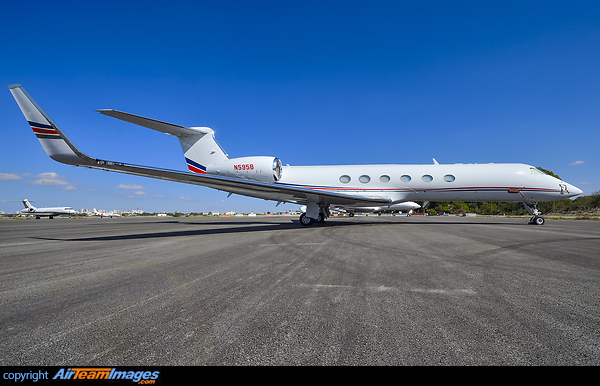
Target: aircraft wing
[268, 191]
[61, 149]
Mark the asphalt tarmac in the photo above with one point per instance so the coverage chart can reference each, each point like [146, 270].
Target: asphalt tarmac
[266, 291]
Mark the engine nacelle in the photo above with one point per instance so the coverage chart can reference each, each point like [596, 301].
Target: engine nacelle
[261, 168]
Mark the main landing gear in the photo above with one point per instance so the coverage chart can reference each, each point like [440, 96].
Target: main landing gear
[314, 214]
[536, 219]
[307, 221]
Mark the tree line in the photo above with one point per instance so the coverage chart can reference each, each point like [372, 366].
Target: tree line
[581, 204]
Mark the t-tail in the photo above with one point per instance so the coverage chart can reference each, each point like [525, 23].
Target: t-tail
[198, 143]
[204, 155]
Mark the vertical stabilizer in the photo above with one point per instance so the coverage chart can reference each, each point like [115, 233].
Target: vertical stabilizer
[201, 150]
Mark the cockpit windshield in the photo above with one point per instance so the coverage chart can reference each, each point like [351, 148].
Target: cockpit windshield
[537, 171]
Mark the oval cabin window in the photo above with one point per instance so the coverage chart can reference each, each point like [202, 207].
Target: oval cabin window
[449, 178]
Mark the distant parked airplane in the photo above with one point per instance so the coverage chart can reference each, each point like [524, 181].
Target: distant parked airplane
[317, 187]
[45, 212]
[106, 214]
[404, 206]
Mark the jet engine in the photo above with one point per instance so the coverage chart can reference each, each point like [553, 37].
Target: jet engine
[261, 168]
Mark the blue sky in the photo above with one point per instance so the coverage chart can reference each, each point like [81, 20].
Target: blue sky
[310, 82]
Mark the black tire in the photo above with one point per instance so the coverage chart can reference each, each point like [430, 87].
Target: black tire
[305, 220]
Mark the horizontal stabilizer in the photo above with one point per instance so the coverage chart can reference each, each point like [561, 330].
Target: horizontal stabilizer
[163, 127]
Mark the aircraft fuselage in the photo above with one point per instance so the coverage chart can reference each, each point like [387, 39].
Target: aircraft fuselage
[435, 182]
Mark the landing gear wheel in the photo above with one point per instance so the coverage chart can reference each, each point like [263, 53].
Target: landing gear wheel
[535, 220]
[320, 219]
[305, 220]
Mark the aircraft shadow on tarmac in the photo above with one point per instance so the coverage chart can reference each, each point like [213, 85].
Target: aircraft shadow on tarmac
[186, 233]
[227, 227]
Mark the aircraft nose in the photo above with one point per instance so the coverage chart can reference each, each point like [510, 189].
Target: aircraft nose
[572, 190]
[575, 191]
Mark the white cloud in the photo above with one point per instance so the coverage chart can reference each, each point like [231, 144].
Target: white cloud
[140, 193]
[577, 163]
[52, 179]
[49, 179]
[130, 187]
[49, 175]
[49, 182]
[9, 177]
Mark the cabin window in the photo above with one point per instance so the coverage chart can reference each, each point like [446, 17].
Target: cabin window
[364, 179]
[384, 178]
[449, 178]
[345, 179]
[405, 178]
[427, 178]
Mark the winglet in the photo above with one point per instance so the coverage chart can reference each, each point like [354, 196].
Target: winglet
[54, 141]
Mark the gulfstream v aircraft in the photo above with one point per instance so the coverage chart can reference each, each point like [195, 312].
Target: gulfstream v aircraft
[317, 187]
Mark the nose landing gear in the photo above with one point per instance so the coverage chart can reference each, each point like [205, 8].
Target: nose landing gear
[536, 219]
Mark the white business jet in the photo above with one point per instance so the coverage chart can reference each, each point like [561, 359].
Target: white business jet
[317, 187]
[407, 206]
[105, 214]
[45, 212]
